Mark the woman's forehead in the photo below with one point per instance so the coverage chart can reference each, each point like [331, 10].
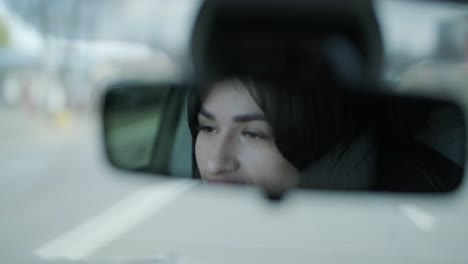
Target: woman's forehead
[229, 97]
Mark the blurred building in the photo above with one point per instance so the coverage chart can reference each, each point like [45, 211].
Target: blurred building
[453, 40]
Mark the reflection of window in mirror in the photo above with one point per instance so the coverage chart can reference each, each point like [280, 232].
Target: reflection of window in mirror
[181, 159]
[132, 124]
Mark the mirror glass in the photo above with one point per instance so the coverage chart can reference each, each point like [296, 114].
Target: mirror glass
[410, 144]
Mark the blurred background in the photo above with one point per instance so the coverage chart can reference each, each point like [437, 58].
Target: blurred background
[56, 58]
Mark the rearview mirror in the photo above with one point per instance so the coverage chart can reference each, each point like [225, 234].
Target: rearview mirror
[146, 129]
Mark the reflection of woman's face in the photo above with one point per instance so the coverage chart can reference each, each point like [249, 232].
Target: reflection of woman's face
[235, 143]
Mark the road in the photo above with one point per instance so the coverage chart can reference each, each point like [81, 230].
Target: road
[60, 200]
[53, 176]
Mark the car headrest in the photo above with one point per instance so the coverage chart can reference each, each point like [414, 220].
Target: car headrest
[240, 37]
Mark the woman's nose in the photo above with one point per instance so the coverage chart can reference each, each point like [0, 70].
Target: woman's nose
[223, 158]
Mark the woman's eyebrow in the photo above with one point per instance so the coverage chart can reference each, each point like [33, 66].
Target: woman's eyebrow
[206, 114]
[238, 118]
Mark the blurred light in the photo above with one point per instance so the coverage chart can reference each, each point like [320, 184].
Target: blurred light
[419, 217]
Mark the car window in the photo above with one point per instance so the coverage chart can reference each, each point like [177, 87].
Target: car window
[68, 195]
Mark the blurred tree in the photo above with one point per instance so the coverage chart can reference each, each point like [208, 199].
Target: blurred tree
[4, 34]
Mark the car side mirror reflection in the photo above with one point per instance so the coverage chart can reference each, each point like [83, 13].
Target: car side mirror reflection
[414, 144]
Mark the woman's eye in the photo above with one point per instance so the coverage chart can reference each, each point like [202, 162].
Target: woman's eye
[254, 135]
[206, 129]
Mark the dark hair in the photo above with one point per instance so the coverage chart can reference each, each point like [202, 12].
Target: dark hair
[308, 118]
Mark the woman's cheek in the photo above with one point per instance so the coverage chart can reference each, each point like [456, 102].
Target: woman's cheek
[269, 169]
[257, 162]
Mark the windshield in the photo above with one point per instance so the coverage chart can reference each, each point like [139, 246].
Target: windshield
[56, 60]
